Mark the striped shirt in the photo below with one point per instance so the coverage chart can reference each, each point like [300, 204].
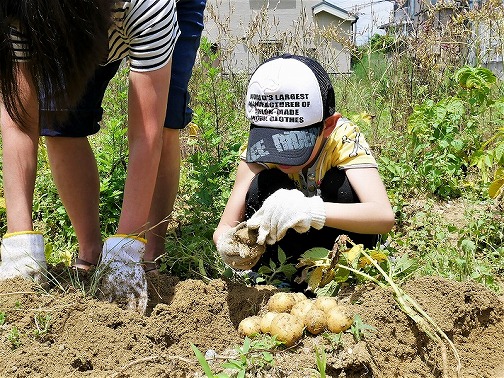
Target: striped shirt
[144, 31]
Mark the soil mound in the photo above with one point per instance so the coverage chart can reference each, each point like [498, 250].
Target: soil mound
[62, 332]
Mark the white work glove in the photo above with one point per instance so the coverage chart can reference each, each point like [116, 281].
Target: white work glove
[286, 209]
[238, 247]
[121, 274]
[23, 255]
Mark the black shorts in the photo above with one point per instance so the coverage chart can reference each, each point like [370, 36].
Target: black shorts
[84, 119]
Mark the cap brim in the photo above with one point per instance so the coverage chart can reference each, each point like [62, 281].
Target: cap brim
[281, 146]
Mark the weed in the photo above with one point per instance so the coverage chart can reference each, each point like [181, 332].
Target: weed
[192, 254]
[335, 339]
[250, 354]
[273, 274]
[14, 338]
[321, 359]
[428, 243]
[42, 325]
[204, 364]
[253, 354]
[3, 318]
[359, 328]
[210, 153]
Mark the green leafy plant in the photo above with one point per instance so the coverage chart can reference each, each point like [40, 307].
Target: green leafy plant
[496, 189]
[14, 338]
[490, 158]
[359, 328]
[445, 136]
[411, 308]
[210, 155]
[321, 270]
[252, 354]
[3, 318]
[321, 360]
[273, 273]
[42, 325]
[475, 83]
[335, 339]
[214, 139]
[204, 364]
[192, 254]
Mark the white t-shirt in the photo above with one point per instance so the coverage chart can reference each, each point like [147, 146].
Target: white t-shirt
[144, 31]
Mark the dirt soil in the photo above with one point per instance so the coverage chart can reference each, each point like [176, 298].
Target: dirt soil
[88, 338]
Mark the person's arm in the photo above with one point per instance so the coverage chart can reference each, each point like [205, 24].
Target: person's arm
[148, 94]
[373, 215]
[234, 211]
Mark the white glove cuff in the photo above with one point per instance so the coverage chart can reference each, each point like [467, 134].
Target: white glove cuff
[123, 248]
[18, 245]
[317, 211]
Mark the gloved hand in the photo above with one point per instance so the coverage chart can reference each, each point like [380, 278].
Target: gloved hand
[238, 247]
[23, 255]
[286, 209]
[122, 277]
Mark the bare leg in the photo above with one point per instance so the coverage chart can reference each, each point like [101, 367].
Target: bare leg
[164, 196]
[20, 160]
[19, 169]
[190, 19]
[22, 252]
[76, 176]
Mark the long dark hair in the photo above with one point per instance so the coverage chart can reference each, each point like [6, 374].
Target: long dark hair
[66, 39]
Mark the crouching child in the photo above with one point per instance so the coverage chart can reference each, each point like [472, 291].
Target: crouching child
[307, 175]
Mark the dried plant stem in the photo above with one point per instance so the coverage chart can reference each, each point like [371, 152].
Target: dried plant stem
[148, 359]
[17, 293]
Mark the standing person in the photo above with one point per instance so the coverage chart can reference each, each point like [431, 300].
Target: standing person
[145, 32]
[67, 173]
[307, 175]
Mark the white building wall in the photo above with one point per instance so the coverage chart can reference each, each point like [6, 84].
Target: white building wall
[248, 31]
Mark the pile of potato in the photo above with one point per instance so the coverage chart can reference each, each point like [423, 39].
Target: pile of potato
[287, 315]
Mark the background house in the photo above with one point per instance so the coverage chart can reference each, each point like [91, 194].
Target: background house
[476, 41]
[246, 32]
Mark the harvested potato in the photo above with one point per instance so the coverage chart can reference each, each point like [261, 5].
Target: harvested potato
[281, 302]
[338, 319]
[325, 303]
[300, 309]
[299, 297]
[315, 321]
[287, 328]
[249, 326]
[266, 321]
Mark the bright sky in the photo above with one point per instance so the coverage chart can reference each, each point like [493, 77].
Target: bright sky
[372, 14]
